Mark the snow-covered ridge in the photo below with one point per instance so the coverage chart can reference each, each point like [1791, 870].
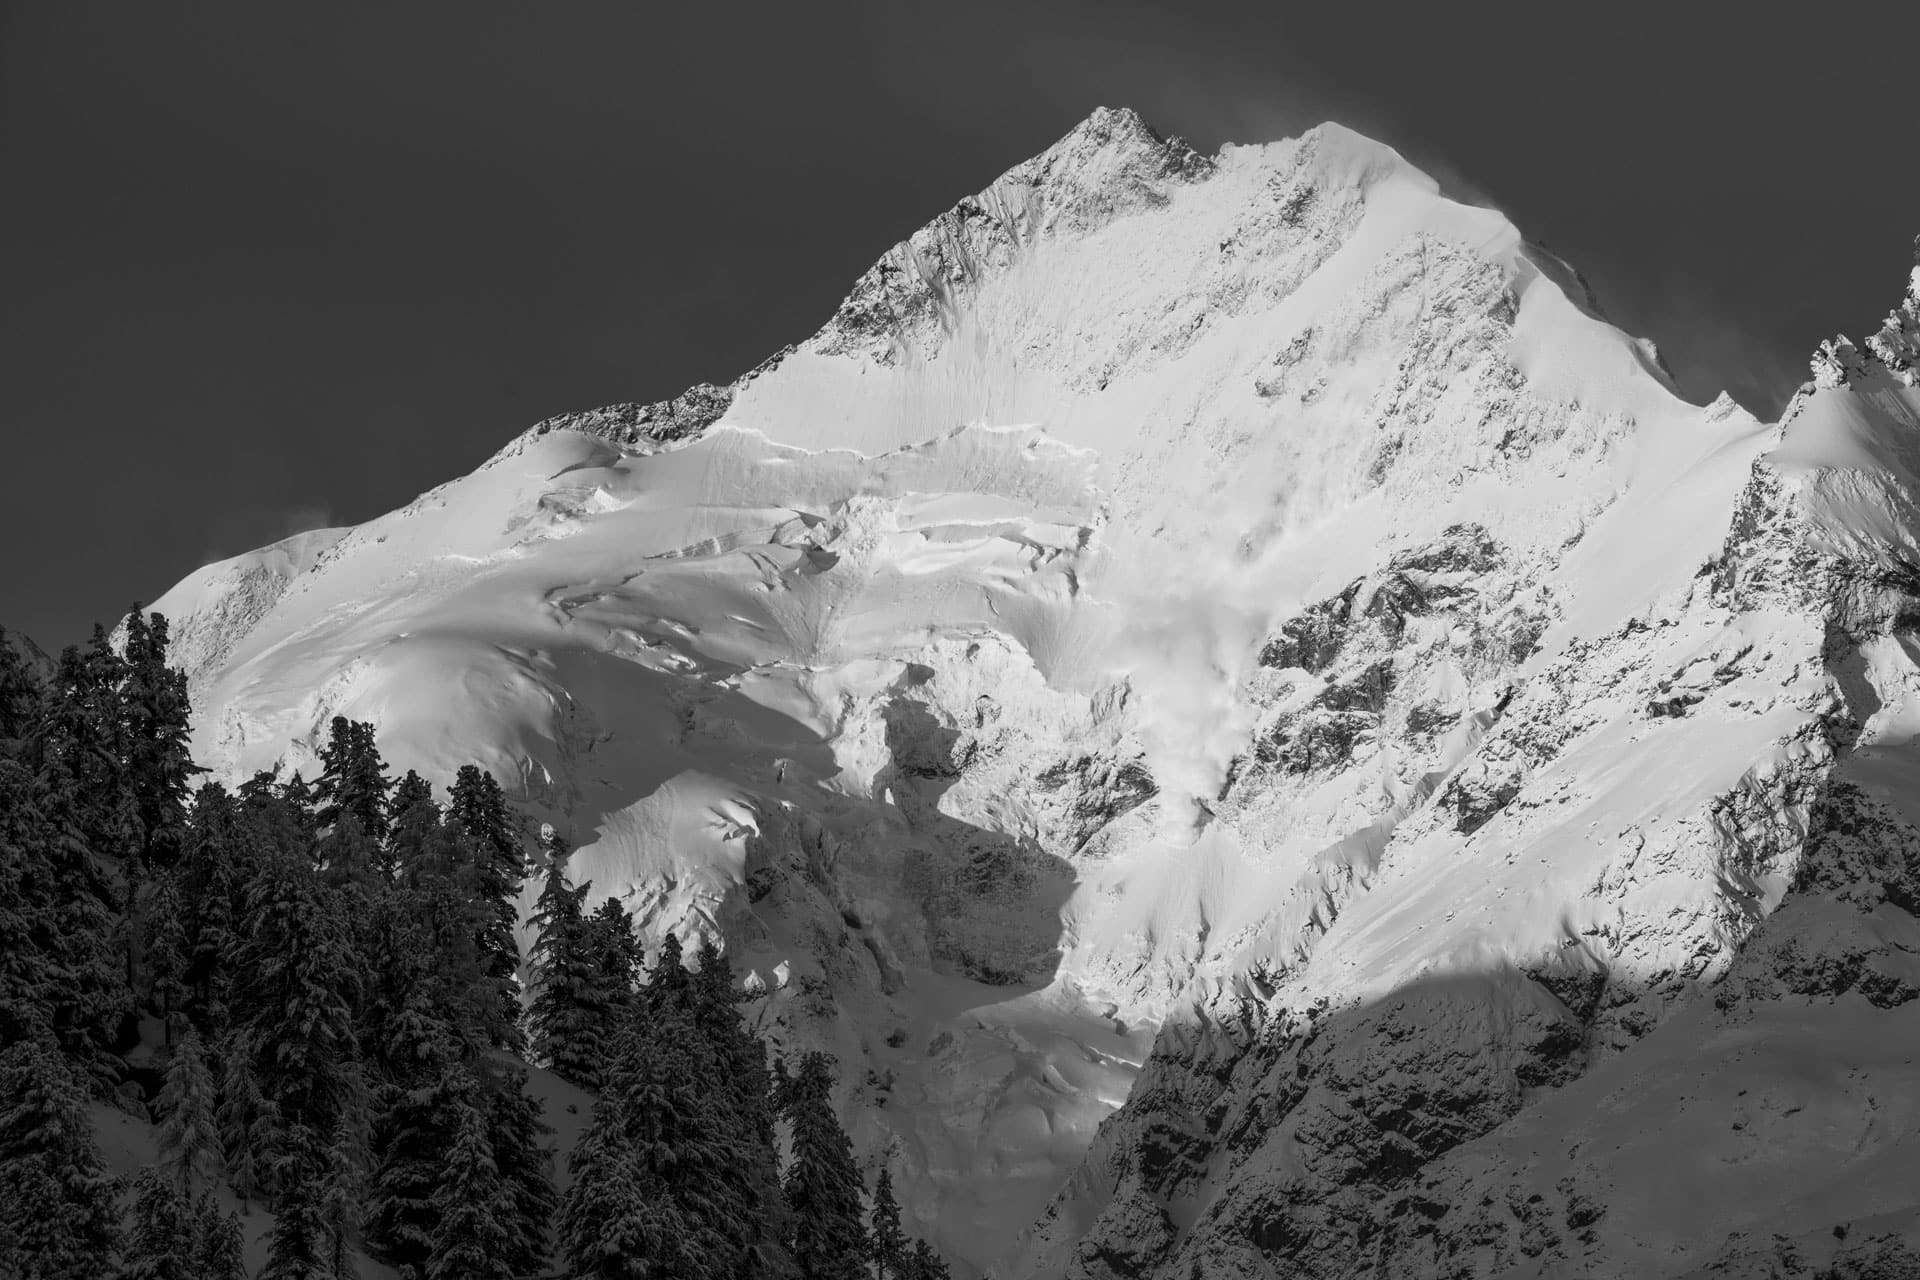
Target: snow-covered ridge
[1179, 596]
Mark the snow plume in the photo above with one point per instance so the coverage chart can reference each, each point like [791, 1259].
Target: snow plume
[1187, 649]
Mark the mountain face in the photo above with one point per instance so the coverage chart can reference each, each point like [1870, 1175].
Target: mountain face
[1260, 730]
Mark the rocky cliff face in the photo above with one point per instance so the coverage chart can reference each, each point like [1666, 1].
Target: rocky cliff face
[1696, 1054]
[1248, 608]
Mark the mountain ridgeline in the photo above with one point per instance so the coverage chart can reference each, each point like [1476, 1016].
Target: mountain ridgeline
[1257, 729]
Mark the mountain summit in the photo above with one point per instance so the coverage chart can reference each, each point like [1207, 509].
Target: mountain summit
[1237, 707]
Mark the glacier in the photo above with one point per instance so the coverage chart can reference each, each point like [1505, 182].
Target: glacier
[1261, 731]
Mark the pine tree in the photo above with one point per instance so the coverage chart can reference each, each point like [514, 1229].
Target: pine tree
[823, 1184]
[246, 1120]
[340, 1195]
[20, 695]
[416, 819]
[615, 1222]
[159, 767]
[59, 1216]
[299, 1247]
[477, 809]
[81, 816]
[219, 1247]
[566, 1015]
[889, 1242]
[189, 1132]
[353, 779]
[300, 982]
[160, 1245]
[473, 1204]
[166, 949]
[745, 1089]
[514, 1133]
[925, 1264]
[213, 874]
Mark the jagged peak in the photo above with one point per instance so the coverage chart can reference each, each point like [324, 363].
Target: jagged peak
[1895, 346]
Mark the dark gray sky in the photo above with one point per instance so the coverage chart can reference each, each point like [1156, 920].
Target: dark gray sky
[264, 266]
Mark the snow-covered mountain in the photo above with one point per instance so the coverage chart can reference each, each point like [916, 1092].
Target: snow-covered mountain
[1239, 637]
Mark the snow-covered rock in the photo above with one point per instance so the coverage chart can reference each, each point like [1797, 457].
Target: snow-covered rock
[1245, 607]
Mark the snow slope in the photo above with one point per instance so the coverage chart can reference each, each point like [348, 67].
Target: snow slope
[1172, 598]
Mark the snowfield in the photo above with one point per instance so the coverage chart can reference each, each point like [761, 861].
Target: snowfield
[1238, 637]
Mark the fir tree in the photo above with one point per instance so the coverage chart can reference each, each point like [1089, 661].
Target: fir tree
[823, 1185]
[189, 1132]
[416, 820]
[160, 1245]
[82, 816]
[246, 1120]
[20, 695]
[567, 1016]
[353, 779]
[299, 1247]
[888, 1241]
[59, 1215]
[159, 767]
[925, 1264]
[473, 1204]
[219, 1247]
[745, 1089]
[615, 1223]
[300, 981]
[166, 949]
[514, 1133]
[213, 875]
[477, 808]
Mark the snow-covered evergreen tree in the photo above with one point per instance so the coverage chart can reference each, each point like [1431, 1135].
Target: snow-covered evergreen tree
[473, 1203]
[823, 1188]
[888, 1242]
[189, 1134]
[59, 1211]
[219, 1247]
[160, 1244]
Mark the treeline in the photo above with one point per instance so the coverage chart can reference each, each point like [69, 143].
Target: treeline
[316, 984]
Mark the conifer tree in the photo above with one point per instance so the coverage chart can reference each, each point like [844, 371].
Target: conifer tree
[80, 816]
[744, 1087]
[925, 1264]
[473, 1204]
[219, 1247]
[478, 809]
[615, 1223]
[416, 820]
[160, 1244]
[59, 1216]
[823, 1185]
[166, 949]
[20, 695]
[189, 1132]
[300, 981]
[565, 1016]
[888, 1241]
[159, 766]
[353, 779]
[514, 1132]
[246, 1120]
[213, 876]
[298, 1247]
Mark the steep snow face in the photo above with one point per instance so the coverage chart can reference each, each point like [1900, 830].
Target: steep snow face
[1169, 589]
[1626, 987]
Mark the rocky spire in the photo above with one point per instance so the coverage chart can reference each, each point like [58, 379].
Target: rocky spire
[1895, 346]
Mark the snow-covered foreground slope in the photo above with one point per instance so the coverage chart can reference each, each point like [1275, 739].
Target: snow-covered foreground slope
[1251, 601]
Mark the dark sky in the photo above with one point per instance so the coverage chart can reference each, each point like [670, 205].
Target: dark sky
[264, 266]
